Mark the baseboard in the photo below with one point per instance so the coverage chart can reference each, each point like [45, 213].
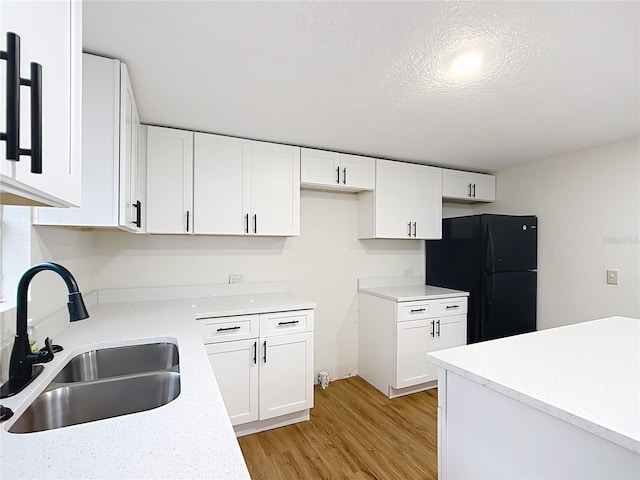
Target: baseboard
[399, 392]
[262, 425]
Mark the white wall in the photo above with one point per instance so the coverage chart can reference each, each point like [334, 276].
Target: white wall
[588, 208]
[322, 265]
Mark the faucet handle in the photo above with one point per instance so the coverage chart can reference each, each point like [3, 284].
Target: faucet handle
[47, 354]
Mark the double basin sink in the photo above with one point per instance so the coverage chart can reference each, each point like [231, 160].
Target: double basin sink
[105, 383]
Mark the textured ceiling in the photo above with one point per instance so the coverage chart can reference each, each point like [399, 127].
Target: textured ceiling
[372, 77]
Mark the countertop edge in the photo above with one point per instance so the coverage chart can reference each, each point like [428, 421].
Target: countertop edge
[557, 412]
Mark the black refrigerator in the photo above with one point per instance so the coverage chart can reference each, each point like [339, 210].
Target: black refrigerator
[494, 258]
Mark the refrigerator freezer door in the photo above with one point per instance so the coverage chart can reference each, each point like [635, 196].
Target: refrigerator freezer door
[508, 304]
[510, 243]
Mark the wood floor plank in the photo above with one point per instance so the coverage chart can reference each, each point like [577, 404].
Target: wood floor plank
[354, 433]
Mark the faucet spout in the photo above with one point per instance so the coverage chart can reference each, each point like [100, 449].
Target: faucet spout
[21, 370]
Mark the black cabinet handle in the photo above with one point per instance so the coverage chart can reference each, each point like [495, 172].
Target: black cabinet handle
[246, 223]
[469, 187]
[255, 223]
[14, 81]
[227, 329]
[344, 176]
[255, 352]
[264, 354]
[409, 228]
[36, 116]
[438, 331]
[415, 228]
[415, 310]
[138, 221]
[449, 307]
[12, 135]
[338, 175]
[292, 322]
[433, 329]
[474, 190]
[187, 221]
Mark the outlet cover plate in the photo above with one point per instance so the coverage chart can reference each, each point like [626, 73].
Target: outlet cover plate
[235, 278]
[613, 277]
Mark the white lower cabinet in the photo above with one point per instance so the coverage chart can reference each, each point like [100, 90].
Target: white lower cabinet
[236, 371]
[263, 364]
[416, 338]
[395, 337]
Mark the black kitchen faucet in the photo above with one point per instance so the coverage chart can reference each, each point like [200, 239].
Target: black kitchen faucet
[22, 366]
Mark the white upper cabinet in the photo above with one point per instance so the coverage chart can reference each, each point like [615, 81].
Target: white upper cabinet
[215, 185]
[407, 202]
[113, 176]
[218, 184]
[169, 158]
[468, 186]
[51, 35]
[274, 189]
[131, 182]
[245, 187]
[336, 171]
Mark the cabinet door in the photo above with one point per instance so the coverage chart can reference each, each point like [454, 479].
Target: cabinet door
[449, 332]
[484, 187]
[235, 367]
[50, 34]
[319, 167]
[286, 374]
[424, 201]
[100, 149]
[274, 189]
[412, 345]
[220, 164]
[169, 180]
[358, 172]
[390, 200]
[456, 184]
[130, 210]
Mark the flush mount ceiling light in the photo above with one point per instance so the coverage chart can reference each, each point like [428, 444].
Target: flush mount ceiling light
[465, 64]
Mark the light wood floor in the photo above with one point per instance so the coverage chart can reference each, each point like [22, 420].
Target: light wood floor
[355, 432]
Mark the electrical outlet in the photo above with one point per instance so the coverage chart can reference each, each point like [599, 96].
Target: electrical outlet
[236, 278]
[408, 272]
[613, 277]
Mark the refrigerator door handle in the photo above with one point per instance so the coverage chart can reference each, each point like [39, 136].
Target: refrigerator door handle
[489, 266]
[489, 294]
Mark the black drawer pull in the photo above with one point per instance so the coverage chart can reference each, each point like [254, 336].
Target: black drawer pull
[292, 322]
[226, 329]
[416, 310]
[449, 307]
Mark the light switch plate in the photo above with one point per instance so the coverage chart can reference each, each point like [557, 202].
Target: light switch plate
[613, 277]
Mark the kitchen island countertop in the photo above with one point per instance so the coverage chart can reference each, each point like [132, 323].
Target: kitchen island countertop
[190, 437]
[586, 374]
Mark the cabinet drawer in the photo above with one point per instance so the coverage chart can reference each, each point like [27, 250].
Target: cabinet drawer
[224, 329]
[279, 323]
[413, 310]
[449, 306]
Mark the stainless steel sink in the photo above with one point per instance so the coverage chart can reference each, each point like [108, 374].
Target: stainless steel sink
[90, 401]
[113, 362]
[103, 384]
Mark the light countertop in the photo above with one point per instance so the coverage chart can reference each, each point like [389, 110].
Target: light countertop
[190, 437]
[587, 374]
[410, 293]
